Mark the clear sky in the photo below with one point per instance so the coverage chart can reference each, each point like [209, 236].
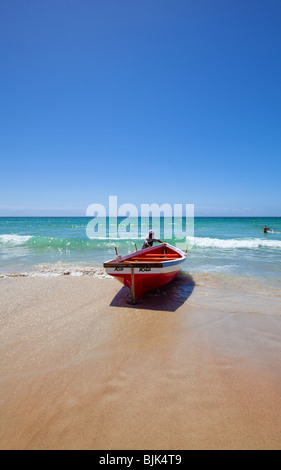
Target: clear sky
[155, 101]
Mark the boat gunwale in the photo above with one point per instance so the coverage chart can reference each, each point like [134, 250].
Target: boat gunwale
[161, 264]
[121, 259]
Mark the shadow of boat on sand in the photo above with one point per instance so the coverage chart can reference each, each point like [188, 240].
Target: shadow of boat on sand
[167, 298]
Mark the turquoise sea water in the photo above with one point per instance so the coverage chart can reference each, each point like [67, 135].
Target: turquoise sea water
[229, 246]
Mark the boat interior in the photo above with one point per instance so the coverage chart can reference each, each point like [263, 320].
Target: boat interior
[164, 253]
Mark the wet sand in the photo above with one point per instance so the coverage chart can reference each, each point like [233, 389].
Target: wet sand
[194, 366]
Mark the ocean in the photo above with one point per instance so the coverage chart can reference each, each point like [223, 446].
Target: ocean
[221, 246]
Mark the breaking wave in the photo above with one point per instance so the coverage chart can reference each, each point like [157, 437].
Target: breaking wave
[37, 242]
[249, 243]
[14, 240]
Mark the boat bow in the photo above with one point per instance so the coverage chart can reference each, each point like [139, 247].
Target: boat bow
[147, 269]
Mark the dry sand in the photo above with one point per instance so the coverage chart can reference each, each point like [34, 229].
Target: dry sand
[192, 367]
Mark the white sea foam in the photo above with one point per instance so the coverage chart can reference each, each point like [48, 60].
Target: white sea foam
[249, 243]
[14, 240]
[60, 270]
[70, 270]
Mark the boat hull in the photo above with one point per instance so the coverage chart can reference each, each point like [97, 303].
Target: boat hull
[143, 282]
[148, 269]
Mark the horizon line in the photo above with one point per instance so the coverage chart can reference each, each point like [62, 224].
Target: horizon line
[108, 216]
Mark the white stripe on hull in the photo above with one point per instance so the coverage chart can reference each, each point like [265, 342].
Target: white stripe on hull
[146, 270]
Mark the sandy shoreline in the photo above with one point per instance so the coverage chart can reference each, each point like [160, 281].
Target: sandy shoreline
[192, 368]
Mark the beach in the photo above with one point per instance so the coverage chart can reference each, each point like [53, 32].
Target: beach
[195, 365]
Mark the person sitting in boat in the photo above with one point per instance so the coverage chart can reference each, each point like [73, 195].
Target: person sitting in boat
[266, 229]
[150, 240]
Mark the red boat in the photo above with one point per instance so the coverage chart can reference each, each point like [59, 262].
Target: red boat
[147, 269]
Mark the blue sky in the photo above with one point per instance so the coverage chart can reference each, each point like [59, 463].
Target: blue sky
[155, 102]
